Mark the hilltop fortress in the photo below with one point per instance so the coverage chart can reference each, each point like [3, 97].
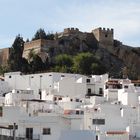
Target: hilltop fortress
[103, 37]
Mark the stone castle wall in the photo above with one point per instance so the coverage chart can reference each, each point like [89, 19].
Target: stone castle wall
[4, 56]
[38, 46]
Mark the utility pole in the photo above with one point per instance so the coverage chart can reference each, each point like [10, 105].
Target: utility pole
[14, 131]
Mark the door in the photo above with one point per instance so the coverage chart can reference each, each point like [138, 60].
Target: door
[29, 133]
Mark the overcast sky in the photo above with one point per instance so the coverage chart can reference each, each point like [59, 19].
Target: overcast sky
[26, 16]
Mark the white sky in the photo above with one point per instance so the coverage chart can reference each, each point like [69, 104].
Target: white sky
[25, 17]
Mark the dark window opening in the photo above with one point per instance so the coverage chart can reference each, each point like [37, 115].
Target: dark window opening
[29, 133]
[125, 86]
[89, 90]
[88, 80]
[46, 131]
[77, 112]
[100, 91]
[77, 100]
[98, 121]
[54, 98]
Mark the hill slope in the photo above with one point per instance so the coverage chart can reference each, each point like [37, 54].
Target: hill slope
[118, 59]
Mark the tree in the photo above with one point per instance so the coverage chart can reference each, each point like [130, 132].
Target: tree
[50, 36]
[97, 68]
[82, 63]
[25, 66]
[40, 34]
[86, 63]
[15, 57]
[35, 62]
[3, 69]
[63, 63]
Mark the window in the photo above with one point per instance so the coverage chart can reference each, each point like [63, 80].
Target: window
[77, 112]
[10, 76]
[106, 35]
[46, 131]
[59, 98]
[89, 90]
[77, 100]
[82, 112]
[98, 121]
[62, 75]
[29, 133]
[100, 91]
[1, 111]
[54, 98]
[88, 80]
[125, 86]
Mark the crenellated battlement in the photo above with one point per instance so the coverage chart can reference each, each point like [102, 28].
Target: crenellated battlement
[105, 30]
[104, 35]
[70, 31]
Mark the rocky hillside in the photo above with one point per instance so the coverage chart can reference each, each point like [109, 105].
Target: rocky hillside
[118, 59]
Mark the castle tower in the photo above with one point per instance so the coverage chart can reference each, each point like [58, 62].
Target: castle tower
[104, 36]
[70, 31]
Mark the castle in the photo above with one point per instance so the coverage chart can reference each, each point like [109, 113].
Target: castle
[102, 35]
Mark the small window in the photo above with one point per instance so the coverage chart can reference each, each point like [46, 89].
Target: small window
[100, 91]
[82, 112]
[106, 35]
[62, 75]
[46, 131]
[10, 76]
[89, 90]
[88, 80]
[50, 75]
[71, 100]
[95, 109]
[54, 98]
[77, 112]
[125, 86]
[77, 100]
[59, 98]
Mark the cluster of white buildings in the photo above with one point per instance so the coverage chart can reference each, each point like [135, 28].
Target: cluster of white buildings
[61, 106]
